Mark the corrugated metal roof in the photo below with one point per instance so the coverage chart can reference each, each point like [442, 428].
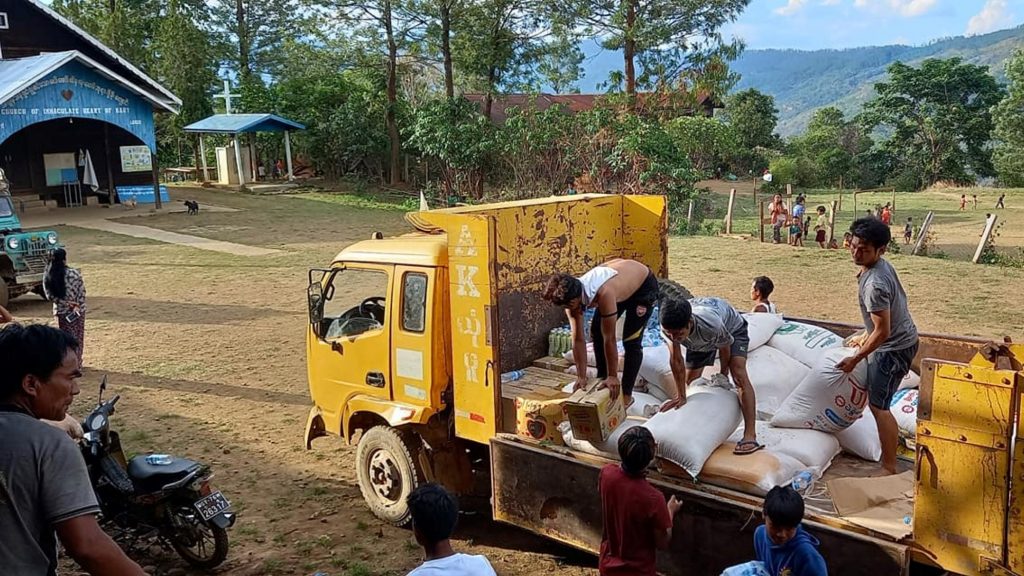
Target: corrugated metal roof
[171, 99]
[242, 123]
[17, 74]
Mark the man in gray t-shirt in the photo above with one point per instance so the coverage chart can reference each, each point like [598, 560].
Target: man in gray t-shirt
[890, 341]
[704, 327]
[45, 492]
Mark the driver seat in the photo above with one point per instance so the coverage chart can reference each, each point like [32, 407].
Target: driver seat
[151, 477]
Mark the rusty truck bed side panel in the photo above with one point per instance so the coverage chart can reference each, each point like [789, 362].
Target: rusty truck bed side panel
[556, 495]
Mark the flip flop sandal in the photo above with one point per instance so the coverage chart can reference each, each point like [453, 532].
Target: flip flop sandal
[740, 451]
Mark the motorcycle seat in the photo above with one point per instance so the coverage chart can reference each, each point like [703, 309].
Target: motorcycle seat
[154, 476]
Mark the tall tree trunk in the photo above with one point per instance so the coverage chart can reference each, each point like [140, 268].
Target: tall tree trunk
[446, 48]
[629, 52]
[392, 95]
[243, 40]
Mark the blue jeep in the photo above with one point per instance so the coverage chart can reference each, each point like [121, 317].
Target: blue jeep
[23, 255]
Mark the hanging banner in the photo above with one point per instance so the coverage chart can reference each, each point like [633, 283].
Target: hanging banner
[136, 159]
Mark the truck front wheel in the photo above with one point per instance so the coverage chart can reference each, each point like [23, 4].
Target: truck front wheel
[388, 470]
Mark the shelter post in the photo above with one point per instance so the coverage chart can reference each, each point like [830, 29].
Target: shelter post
[238, 163]
[202, 154]
[288, 154]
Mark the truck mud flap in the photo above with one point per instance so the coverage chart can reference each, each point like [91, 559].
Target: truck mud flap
[555, 495]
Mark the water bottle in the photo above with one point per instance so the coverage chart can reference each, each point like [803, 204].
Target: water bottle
[552, 344]
[512, 376]
[803, 481]
[159, 459]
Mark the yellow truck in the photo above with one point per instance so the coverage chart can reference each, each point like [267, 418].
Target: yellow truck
[408, 338]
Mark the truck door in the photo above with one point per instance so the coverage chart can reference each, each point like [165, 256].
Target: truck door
[351, 351]
[415, 361]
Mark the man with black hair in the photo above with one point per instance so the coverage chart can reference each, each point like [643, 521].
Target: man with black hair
[890, 341]
[706, 326]
[434, 515]
[760, 293]
[636, 519]
[781, 543]
[45, 492]
[617, 287]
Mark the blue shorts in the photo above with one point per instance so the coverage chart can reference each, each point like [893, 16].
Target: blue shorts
[885, 372]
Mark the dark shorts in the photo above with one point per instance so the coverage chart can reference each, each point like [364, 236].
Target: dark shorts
[739, 348]
[819, 236]
[885, 372]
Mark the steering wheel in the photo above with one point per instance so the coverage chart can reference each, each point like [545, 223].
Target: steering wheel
[377, 301]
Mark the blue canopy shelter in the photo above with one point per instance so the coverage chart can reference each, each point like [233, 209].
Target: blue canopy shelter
[235, 124]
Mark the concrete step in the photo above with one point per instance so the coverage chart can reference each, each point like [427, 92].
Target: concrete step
[33, 205]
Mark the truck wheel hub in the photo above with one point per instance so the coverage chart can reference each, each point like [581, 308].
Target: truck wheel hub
[385, 476]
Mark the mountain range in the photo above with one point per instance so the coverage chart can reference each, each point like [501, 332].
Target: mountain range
[801, 81]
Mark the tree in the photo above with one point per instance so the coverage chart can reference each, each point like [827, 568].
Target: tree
[753, 117]
[940, 119]
[253, 32]
[1008, 116]
[665, 37]
[835, 146]
[706, 141]
[454, 132]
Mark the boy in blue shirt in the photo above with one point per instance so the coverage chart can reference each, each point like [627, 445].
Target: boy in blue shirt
[781, 543]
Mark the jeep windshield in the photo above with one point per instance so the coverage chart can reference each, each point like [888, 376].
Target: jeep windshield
[6, 209]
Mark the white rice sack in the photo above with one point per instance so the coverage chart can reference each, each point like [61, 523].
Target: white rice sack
[591, 372]
[609, 447]
[861, 438]
[813, 449]
[752, 568]
[804, 342]
[688, 435]
[591, 361]
[911, 380]
[755, 473]
[827, 399]
[761, 327]
[657, 371]
[774, 377]
[904, 409]
[644, 405]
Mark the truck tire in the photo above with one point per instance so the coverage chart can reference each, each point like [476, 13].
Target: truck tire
[388, 469]
[4, 293]
[672, 289]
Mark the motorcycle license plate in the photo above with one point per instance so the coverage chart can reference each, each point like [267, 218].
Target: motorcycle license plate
[212, 505]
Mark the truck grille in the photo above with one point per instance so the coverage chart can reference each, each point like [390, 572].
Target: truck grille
[35, 254]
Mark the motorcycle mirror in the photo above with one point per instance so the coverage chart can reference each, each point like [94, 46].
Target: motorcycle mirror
[103, 387]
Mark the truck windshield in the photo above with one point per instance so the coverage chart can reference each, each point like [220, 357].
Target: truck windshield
[5, 207]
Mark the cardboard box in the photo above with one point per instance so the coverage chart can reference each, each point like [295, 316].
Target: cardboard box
[593, 415]
[538, 417]
[554, 363]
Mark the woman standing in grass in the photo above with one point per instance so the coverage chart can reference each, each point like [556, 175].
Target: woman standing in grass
[64, 287]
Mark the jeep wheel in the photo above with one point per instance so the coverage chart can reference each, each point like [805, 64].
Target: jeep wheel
[388, 471]
[4, 293]
[672, 289]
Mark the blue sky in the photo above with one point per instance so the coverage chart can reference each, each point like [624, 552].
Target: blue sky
[812, 24]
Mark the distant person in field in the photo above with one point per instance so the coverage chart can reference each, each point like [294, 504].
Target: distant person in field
[796, 232]
[821, 228]
[886, 215]
[570, 187]
[760, 292]
[779, 214]
[999, 203]
[798, 210]
[847, 238]
[963, 202]
[908, 231]
[975, 197]
[890, 339]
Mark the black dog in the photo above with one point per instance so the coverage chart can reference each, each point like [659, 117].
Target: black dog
[193, 207]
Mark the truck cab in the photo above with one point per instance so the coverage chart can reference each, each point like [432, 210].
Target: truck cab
[23, 255]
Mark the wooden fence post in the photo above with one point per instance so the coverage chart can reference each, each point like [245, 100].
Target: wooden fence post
[840, 198]
[894, 199]
[856, 213]
[761, 221]
[689, 215]
[922, 233]
[990, 224]
[832, 222]
[728, 213]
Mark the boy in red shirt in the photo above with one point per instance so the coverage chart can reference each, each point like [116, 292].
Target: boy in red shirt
[636, 519]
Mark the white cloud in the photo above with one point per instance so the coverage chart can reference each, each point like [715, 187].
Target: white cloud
[791, 7]
[830, 2]
[992, 17]
[905, 8]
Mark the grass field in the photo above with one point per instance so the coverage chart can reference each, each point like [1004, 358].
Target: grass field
[207, 350]
[955, 233]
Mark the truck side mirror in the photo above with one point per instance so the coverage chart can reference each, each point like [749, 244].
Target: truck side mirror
[315, 299]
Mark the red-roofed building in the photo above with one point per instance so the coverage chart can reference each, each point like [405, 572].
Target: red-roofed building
[574, 103]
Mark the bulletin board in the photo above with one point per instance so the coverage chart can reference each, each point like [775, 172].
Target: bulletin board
[60, 168]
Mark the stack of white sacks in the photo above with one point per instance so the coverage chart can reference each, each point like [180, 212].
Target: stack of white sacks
[807, 410]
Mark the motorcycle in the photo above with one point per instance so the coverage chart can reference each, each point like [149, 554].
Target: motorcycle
[156, 496]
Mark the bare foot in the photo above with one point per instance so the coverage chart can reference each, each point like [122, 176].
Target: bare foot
[883, 472]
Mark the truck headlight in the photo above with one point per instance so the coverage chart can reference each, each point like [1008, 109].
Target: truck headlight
[13, 242]
[51, 238]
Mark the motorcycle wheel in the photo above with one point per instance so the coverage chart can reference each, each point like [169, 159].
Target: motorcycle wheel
[199, 543]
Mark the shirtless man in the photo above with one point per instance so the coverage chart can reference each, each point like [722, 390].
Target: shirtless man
[614, 288]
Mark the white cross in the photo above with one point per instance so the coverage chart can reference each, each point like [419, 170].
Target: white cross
[227, 96]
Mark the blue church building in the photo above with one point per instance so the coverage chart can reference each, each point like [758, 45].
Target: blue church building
[67, 100]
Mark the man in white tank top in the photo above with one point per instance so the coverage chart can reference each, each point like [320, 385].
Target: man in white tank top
[617, 287]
